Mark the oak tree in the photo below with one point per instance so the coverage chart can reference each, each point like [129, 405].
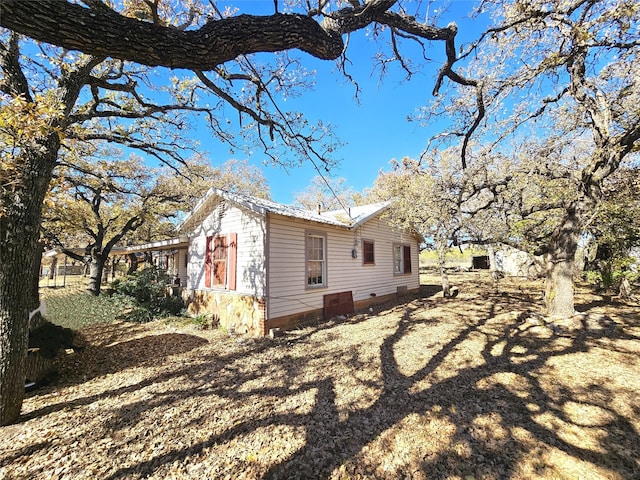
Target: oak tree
[614, 231]
[97, 204]
[54, 101]
[326, 193]
[563, 72]
[81, 90]
[103, 201]
[433, 196]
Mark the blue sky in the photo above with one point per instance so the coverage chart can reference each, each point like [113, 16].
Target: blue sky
[374, 131]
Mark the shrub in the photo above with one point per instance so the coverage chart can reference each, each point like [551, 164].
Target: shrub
[148, 291]
[205, 321]
[610, 274]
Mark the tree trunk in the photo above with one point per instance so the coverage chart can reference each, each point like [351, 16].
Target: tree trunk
[441, 248]
[96, 270]
[625, 289]
[20, 215]
[100, 254]
[493, 267]
[38, 319]
[106, 268]
[148, 260]
[559, 288]
[133, 263]
[52, 268]
[559, 294]
[114, 267]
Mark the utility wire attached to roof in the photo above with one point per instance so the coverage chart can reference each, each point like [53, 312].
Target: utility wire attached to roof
[305, 147]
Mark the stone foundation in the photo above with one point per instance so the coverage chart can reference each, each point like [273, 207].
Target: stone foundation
[234, 312]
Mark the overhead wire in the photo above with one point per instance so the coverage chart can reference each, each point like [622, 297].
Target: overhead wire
[304, 146]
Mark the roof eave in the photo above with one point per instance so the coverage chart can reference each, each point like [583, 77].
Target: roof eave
[384, 206]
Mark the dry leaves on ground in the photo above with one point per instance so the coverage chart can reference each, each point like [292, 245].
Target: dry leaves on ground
[477, 387]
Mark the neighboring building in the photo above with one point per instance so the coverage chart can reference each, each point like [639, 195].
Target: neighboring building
[517, 263]
[169, 256]
[258, 265]
[56, 265]
[480, 262]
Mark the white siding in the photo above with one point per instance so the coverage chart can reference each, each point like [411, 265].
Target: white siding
[228, 218]
[286, 244]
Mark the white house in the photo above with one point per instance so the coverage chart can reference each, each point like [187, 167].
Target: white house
[258, 265]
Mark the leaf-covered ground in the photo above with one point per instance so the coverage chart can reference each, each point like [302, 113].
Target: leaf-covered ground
[477, 387]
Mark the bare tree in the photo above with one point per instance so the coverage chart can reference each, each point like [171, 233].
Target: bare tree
[443, 203]
[326, 193]
[564, 73]
[84, 95]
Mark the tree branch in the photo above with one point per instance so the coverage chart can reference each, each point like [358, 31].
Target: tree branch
[15, 82]
[98, 32]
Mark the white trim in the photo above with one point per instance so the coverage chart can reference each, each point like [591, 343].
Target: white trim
[171, 242]
[323, 236]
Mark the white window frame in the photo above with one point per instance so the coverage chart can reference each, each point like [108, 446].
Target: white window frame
[398, 258]
[308, 261]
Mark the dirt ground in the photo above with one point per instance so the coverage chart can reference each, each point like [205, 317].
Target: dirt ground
[476, 387]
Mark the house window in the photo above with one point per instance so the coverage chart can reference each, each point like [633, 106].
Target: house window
[401, 259]
[316, 260]
[368, 257]
[220, 261]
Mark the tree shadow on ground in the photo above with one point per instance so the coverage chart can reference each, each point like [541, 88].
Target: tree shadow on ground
[329, 444]
[429, 290]
[117, 351]
[498, 407]
[114, 353]
[519, 355]
[605, 301]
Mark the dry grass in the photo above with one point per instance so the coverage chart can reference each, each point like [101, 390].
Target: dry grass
[471, 388]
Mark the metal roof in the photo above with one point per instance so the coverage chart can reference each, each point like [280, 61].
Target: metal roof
[348, 218]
